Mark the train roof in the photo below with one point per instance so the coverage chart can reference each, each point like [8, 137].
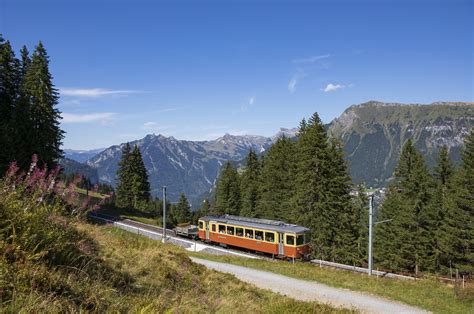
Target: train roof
[266, 224]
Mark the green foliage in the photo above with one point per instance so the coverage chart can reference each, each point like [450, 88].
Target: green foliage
[29, 119]
[250, 183]
[406, 242]
[227, 199]
[432, 225]
[277, 181]
[124, 195]
[182, 210]
[461, 214]
[322, 200]
[133, 187]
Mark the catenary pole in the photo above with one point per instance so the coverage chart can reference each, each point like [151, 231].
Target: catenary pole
[371, 224]
[164, 215]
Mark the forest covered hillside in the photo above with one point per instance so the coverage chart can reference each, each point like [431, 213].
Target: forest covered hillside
[373, 134]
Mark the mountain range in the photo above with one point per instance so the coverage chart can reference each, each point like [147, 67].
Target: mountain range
[372, 134]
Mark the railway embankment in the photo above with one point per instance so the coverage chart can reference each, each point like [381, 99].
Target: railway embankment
[428, 295]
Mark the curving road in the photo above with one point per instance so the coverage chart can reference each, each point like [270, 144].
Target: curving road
[311, 290]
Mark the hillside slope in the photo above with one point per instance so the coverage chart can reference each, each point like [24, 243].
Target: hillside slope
[373, 134]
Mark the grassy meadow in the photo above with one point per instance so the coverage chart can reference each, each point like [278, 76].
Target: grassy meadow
[426, 294]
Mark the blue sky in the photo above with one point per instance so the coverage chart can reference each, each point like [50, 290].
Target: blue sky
[196, 70]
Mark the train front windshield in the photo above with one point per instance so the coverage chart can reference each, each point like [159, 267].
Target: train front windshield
[303, 238]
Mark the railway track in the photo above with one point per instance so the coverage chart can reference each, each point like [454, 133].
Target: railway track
[156, 233]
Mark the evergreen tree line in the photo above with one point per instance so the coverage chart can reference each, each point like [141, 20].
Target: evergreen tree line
[303, 181]
[86, 184]
[29, 119]
[432, 214]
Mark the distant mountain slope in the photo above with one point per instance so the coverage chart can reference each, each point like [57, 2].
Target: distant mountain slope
[183, 166]
[81, 155]
[374, 132]
[70, 166]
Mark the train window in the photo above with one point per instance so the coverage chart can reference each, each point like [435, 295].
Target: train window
[213, 228]
[269, 237]
[249, 233]
[290, 240]
[239, 232]
[221, 229]
[258, 235]
[230, 230]
[300, 239]
[201, 225]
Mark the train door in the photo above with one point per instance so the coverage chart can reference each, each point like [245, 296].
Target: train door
[281, 250]
[207, 230]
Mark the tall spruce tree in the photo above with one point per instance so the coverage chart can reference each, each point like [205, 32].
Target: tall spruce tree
[123, 191]
[277, 182]
[8, 98]
[45, 116]
[462, 211]
[140, 186]
[322, 192]
[340, 203]
[250, 184]
[182, 210]
[227, 198]
[443, 228]
[406, 242]
[23, 133]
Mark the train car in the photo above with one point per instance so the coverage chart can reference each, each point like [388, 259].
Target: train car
[261, 235]
[186, 230]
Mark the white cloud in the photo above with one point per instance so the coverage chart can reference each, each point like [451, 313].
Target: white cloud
[153, 126]
[295, 79]
[311, 59]
[102, 117]
[334, 87]
[251, 100]
[93, 92]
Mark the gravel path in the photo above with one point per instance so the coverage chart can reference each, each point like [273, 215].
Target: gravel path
[311, 290]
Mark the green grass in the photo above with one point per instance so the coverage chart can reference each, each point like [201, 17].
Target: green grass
[92, 194]
[133, 214]
[426, 294]
[184, 286]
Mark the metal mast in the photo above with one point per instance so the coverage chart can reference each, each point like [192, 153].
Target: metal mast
[164, 215]
[371, 224]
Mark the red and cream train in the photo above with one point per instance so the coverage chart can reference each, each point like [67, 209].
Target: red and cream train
[261, 235]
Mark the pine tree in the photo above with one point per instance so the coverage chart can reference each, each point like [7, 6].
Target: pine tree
[227, 198]
[8, 98]
[250, 185]
[322, 198]
[406, 242]
[182, 210]
[277, 182]
[340, 203]
[443, 229]
[124, 196]
[140, 185]
[22, 117]
[462, 217]
[45, 116]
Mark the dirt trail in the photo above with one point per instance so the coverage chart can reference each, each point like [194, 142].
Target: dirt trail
[311, 290]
